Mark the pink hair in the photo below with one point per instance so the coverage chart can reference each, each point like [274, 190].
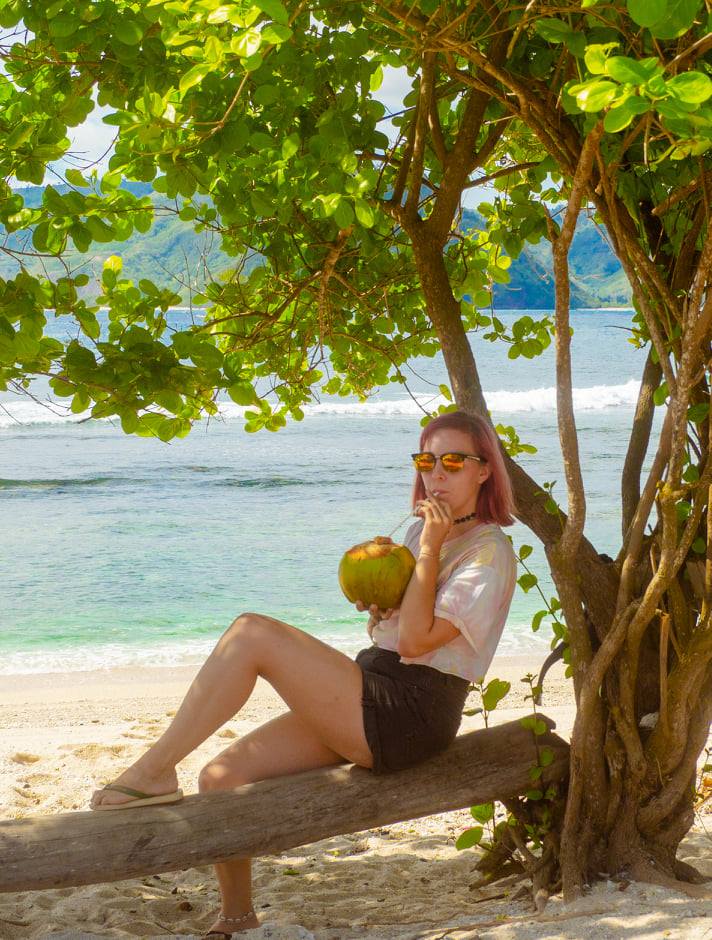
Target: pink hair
[495, 501]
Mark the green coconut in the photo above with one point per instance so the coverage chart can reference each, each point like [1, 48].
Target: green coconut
[376, 572]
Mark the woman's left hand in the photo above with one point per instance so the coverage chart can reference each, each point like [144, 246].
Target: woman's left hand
[439, 520]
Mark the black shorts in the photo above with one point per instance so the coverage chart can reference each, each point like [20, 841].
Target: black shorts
[410, 711]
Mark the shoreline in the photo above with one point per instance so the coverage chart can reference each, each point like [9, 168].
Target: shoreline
[64, 734]
[163, 682]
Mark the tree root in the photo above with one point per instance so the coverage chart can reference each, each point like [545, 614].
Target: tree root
[645, 871]
[690, 874]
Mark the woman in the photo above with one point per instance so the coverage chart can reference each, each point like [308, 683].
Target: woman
[401, 701]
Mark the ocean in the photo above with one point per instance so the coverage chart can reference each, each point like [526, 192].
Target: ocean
[120, 550]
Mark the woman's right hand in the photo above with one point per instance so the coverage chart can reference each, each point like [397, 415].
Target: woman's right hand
[376, 614]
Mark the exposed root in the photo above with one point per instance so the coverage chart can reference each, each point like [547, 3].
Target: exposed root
[689, 873]
[499, 861]
[646, 872]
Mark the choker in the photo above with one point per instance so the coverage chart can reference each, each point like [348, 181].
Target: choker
[473, 515]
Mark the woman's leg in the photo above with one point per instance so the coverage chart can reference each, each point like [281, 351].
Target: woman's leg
[284, 745]
[319, 684]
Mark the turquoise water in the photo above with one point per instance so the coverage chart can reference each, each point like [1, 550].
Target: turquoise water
[120, 550]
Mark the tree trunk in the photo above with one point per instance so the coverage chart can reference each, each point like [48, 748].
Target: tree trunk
[270, 816]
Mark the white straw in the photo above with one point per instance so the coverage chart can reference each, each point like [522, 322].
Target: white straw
[408, 516]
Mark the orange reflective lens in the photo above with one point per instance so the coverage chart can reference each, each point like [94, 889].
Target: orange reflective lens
[451, 462]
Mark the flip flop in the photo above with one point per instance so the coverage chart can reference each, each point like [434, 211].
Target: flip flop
[139, 798]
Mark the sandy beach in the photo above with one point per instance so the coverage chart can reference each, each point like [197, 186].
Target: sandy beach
[60, 735]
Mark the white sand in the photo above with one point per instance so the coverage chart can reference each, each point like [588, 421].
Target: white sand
[61, 735]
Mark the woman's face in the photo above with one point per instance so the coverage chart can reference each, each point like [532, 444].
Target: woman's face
[461, 488]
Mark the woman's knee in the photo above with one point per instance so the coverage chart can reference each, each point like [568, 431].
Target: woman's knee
[216, 776]
[247, 625]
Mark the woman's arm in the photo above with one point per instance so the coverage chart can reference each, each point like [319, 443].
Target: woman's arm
[419, 631]
[417, 613]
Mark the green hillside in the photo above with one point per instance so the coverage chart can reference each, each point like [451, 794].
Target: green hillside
[173, 255]
[597, 278]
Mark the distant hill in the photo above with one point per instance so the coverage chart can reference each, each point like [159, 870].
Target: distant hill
[597, 278]
[172, 254]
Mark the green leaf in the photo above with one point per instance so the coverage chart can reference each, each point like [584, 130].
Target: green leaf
[80, 402]
[680, 15]
[344, 214]
[525, 551]
[75, 177]
[364, 213]
[629, 71]
[243, 394]
[445, 392]
[621, 115]
[597, 55]
[698, 413]
[646, 12]
[527, 581]
[274, 9]
[89, 323]
[483, 812]
[691, 474]
[699, 546]
[469, 838]
[690, 87]
[537, 619]
[170, 400]
[661, 393]
[62, 388]
[64, 25]
[205, 355]
[193, 77]
[129, 422]
[552, 30]
[113, 263]
[546, 756]
[290, 145]
[275, 34]
[594, 95]
[494, 693]
[247, 43]
[128, 31]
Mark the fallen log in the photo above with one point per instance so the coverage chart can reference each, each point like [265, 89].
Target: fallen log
[270, 816]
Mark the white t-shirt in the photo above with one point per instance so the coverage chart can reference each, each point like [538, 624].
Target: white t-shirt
[476, 580]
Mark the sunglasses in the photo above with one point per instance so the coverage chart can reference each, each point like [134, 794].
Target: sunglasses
[451, 462]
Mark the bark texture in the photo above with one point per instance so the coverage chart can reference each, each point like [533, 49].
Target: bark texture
[89, 848]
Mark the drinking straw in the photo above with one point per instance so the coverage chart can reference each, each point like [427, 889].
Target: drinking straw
[407, 516]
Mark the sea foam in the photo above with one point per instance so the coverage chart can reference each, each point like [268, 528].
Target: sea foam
[516, 639]
[16, 414]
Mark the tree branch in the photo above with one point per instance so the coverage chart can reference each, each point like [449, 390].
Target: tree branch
[417, 163]
[638, 443]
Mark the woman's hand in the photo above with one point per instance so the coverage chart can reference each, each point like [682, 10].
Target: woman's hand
[376, 615]
[439, 520]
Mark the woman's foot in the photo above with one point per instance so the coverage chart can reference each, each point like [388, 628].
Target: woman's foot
[228, 926]
[139, 776]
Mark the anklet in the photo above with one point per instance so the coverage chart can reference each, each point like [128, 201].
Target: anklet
[237, 920]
